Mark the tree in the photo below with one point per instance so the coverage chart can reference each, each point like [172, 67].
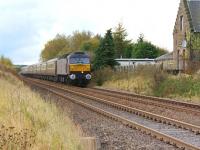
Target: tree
[140, 38]
[145, 49]
[105, 54]
[54, 47]
[62, 44]
[78, 38]
[128, 50]
[91, 45]
[121, 44]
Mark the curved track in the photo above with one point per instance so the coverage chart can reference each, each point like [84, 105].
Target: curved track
[171, 131]
[129, 96]
[176, 112]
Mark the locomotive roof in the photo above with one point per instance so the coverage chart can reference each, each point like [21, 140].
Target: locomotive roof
[72, 54]
[78, 54]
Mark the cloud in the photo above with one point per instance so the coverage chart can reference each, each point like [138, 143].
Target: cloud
[27, 25]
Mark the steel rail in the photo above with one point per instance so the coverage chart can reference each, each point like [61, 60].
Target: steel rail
[145, 114]
[145, 101]
[158, 135]
[159, 99]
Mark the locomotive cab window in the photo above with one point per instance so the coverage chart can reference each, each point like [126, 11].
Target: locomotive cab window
[77, 60]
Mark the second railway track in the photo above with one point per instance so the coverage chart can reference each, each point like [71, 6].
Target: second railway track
[171, 131]
[174, 104]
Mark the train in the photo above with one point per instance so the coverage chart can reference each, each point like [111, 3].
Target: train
[72, 68]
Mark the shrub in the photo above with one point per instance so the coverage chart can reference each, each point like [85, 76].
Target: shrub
[180, 86]
[100, 76]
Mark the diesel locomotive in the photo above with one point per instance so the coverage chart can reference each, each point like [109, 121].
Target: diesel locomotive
[73, 68]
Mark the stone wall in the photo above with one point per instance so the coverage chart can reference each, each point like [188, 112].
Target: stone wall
[181, 55]
[186, 58]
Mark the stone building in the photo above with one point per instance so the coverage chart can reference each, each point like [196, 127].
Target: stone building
[186, 35]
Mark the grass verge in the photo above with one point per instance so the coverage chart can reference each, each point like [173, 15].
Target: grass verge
[149, 80]
[27, 122]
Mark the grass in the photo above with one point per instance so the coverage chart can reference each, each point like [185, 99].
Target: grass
[186, 87]
[141, 80]
[149, 80]
[27, 122]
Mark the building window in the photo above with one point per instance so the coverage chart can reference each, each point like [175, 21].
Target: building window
[181, 23]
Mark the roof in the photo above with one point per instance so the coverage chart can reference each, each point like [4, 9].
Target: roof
[167, 56]
[194, 9]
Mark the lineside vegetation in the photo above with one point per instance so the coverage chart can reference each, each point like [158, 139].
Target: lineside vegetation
[114, 42]
[149, 80]
[27, 122]
[6, 61]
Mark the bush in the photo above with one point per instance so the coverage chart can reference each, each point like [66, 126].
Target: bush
[143, 79]
[182, 86]
[100, 76]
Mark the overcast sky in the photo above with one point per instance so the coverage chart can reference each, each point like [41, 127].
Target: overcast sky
[26, 25]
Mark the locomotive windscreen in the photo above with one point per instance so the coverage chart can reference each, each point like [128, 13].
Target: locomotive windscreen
[79, 60]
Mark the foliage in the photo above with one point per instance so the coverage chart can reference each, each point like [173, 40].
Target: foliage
[144, 49]
[62, 44]
[79, 38]
[53, 47]
[128, 50]
[91, 45]
[140, 80]
[102, 75]
[6, 62]
[149, 80]
[193, 40]
[122, 46]
[105, 54]
[28, 122]
[185, 86]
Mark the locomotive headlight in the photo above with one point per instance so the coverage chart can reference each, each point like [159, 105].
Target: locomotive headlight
[88, 76]
[72, 76]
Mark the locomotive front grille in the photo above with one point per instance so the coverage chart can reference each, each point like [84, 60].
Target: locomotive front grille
[79, 68]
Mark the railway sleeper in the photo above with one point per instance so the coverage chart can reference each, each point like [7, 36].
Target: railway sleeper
[161, 139]
[144, 132]
[196, 132]
[154, 136]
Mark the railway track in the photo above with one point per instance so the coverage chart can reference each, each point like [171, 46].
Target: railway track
[168, 130]
[162, 102]
[142, 99]
[177, 112]
[147, 100]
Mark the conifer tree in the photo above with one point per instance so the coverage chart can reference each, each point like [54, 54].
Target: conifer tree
[120, 41]
[105, 54]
